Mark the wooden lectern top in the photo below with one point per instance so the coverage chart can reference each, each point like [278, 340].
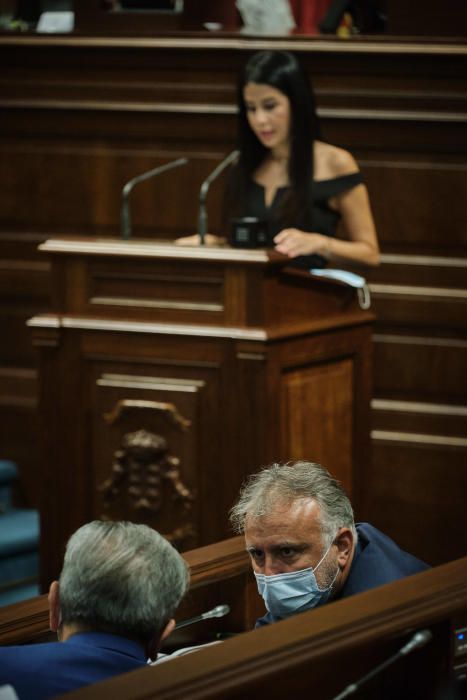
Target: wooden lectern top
[218, 286]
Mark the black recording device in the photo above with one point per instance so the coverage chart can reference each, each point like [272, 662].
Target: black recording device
[248, 232]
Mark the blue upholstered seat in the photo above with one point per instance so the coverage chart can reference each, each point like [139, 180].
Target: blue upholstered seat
[19, 542]
[8, 474]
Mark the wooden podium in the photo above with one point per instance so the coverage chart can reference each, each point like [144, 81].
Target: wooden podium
[168, 373]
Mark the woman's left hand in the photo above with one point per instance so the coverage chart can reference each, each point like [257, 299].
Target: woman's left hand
[293, 242]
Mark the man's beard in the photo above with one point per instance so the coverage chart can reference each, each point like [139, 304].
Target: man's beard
[327, 573]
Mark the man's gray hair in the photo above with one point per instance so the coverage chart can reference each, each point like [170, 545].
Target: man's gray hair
[122, 578]
[282, 484]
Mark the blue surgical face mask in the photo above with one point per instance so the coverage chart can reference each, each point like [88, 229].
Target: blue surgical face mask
[293, 592]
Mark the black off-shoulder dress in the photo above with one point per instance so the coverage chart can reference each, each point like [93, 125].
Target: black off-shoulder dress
[323, 219]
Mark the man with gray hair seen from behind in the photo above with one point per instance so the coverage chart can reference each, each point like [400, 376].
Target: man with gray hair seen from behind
[305, 547]
[114, 603]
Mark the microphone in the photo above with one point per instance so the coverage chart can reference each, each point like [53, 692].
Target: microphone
[418, 640]
[218, 611]
[125, 219]
[203, 215]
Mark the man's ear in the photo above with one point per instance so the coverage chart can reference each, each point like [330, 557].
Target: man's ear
[168, 629]
[154, 645]
[345, 544]
[54, 606]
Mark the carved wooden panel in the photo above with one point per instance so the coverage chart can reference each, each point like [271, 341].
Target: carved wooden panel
[160, 476]
[153, 388]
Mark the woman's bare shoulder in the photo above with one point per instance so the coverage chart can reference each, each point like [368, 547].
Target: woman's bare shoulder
[332, 161]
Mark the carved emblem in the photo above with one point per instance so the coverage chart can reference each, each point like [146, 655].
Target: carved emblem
[142, 465]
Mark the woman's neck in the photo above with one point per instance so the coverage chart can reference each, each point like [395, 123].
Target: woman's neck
[281, 154]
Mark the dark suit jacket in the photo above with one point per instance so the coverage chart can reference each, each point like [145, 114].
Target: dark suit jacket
[377, 560]
[38, 671]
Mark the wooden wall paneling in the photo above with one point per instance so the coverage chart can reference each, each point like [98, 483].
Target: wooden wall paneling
[414, 165]
[419, 296]
[420, 307]
[443, 419]
[414, 474]
[420, 368]
[414, 218]
[19, 432]
[83, 189]
[24, 291]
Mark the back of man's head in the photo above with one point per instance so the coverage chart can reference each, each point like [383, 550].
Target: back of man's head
[121, 578]
[280, 485]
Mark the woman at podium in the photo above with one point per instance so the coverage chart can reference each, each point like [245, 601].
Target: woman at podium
[307, 195]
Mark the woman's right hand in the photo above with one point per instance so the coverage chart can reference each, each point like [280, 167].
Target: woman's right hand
[293, 242]
[209, 239]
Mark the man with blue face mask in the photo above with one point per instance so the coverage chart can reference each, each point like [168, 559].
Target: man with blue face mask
[305, 547]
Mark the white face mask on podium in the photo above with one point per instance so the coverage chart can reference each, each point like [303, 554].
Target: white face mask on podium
[356, 281]
[293, 592]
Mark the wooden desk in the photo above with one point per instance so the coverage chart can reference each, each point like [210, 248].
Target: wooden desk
[320, 651]
[220, 573]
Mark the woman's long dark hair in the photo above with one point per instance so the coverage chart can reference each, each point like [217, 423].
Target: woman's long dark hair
[281, 70]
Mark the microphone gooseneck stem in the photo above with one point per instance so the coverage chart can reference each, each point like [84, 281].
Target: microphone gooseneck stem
[354, 686]
[189, 621]
[218, 611]
[125, 218]
[419, 639]
[203, 193]
[202, 221]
